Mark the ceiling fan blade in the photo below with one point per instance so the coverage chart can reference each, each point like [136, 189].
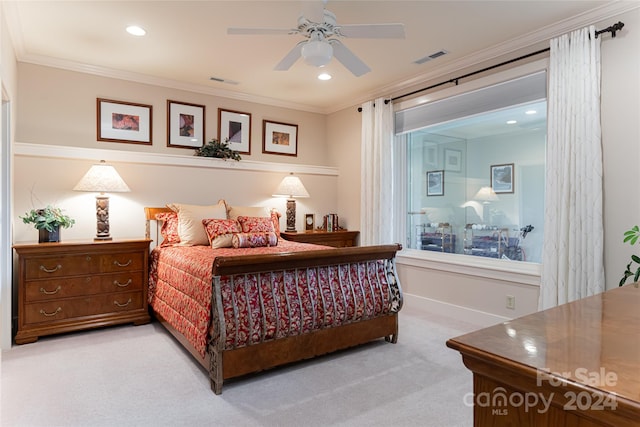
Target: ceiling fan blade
[372, 31]
[349, 59]
[290, 58]
[261, 31]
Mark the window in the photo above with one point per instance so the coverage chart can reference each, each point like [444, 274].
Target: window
[474, 167]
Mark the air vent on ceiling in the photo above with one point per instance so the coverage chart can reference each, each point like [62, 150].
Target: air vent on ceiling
[218, 79]
[434, 55]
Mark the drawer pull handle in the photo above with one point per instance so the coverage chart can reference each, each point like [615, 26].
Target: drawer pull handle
[58, 310]
[50, 270]
[46, 292]
[122, 305]
[122, 265]
[122, 285]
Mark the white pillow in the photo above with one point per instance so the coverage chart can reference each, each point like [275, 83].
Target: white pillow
[253, 211]
[190, 227]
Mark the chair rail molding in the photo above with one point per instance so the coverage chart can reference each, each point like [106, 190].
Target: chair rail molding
[69, 152]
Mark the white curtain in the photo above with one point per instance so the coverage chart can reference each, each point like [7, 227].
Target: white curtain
[572, 259]
[376, 202]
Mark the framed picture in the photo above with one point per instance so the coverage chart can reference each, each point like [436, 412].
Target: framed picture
[435, 183]
[279, 138]
[452, 160]
[185, 125]
[120, 121]
[235, 128]
[309, 222]
[502, 178]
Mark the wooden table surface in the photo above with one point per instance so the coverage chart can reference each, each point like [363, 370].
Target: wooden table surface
[591, 345]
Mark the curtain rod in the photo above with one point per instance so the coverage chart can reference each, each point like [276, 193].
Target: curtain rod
[613, 29]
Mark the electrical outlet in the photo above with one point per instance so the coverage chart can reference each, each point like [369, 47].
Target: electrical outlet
[511, 302]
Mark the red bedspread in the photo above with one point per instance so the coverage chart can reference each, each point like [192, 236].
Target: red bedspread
[261, 307]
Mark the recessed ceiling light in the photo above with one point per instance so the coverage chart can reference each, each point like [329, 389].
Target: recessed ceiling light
[324, 76]
[134, 30]
[511, 122]
[530, 112]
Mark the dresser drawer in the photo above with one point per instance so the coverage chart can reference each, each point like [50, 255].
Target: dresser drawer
[49, 311]
[80, 264]
[128, 261]
[59, 266]
[47, 290]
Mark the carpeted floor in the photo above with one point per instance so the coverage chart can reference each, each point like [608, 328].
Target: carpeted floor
[140, 376]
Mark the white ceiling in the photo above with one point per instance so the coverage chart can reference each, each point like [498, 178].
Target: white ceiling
[187, 43]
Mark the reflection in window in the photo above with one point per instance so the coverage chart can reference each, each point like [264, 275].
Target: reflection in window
[475, 184]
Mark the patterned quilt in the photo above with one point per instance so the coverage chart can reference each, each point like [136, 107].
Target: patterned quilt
[261, 307]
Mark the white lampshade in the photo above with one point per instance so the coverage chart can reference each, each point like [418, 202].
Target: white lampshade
[317, 53]
[486, 194]
[291, 187]
[102, 178]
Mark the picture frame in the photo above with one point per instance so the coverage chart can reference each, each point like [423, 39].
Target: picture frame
[452, 160]
[279, 138]
[185, 125]
[309, 222]
[502, 178]
[234, 127]
[120, 121]
[435, 183]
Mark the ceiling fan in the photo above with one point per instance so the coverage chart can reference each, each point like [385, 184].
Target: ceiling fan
[322, 34]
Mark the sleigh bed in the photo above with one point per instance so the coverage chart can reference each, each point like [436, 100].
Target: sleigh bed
[239, 311]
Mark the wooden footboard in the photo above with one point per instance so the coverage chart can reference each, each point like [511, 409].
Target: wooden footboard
[226, 362]
[244, 291]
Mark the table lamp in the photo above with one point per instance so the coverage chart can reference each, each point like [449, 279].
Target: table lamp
[102, 178]
[291, 187]
[486, 195]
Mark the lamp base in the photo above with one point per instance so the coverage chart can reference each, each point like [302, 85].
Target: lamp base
[102, 216]
[291, 215]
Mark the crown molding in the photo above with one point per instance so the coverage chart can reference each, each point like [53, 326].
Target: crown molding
[137, 157]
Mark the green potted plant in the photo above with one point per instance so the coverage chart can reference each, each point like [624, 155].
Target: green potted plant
[48, 222]
[217, 149]
[632, 236]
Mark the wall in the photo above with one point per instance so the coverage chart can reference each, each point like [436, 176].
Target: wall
[446, 286]
[57, 143]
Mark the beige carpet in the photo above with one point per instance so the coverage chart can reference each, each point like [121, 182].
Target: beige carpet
[139, 376]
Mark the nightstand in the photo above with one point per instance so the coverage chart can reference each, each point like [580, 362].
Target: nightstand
[338, 239]
[72, 286]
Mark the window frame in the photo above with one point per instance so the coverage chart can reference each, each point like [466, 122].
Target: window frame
[521, 272]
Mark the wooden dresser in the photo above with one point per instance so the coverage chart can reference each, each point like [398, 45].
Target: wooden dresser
[338, 239]
[71, 286]
[575, 365]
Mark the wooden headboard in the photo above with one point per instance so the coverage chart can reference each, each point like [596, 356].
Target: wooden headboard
[150, 215]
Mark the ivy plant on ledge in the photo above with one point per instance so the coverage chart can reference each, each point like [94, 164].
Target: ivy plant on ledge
[217, 149]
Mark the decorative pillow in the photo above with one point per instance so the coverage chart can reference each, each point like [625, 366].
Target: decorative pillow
[169, 228]
[190, 227]
[256, 224]
[220, 231]
[275, 217]
[254, 240]
[234, 212]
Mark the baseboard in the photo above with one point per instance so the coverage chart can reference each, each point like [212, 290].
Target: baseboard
[465, 314]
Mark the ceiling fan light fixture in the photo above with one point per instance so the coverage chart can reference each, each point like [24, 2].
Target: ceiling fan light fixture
[317, 53]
